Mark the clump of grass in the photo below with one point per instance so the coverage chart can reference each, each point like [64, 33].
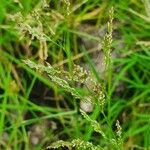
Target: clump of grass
[53, 30]
[96, 95]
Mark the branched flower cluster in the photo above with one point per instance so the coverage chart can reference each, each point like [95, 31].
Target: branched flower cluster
[62, 79]
[79, 74]
[36, 25]
[76, 143]
[96, 126]
[119, 132]
[95, 96]
[68, 6]
[107, 41]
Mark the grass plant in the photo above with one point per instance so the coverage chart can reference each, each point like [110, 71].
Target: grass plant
[58, 41]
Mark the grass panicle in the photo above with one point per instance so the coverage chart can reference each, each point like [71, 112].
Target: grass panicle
[114, 86]
[81, 76]
[76, 143]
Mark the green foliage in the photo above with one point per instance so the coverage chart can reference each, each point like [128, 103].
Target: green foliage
[65, 33]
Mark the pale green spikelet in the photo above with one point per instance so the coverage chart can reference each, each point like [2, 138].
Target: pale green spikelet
[53, 74]
[119, 129]
[62, 78]
[99, 94]
[67, 6]
[96, 126]
[76, 143]
[79, 74]
[118, 141]
[66, 86]
[107, 41]
[119, 132]
[46, 69]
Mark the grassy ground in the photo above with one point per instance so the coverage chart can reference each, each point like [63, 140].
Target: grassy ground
[34, 112]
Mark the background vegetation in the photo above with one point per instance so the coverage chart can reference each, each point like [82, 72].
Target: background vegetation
[34, 112]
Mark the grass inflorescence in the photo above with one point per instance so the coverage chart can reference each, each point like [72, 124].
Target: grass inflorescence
[84, 79]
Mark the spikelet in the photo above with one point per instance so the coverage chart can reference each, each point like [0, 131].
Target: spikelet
[107, 41]
[67, 6]
[76, 143]
[62, 78]
[119, 132]
[96, 126]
